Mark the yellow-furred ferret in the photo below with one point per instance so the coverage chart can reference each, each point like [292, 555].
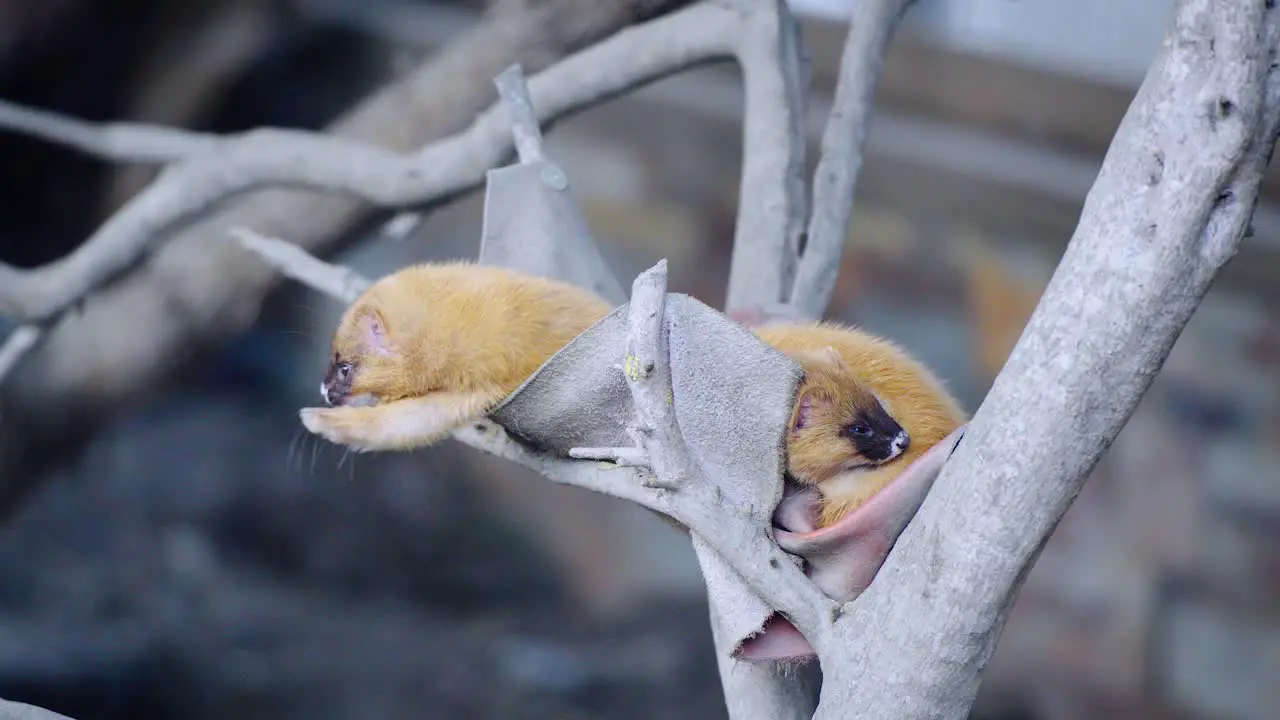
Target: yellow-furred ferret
[432, 347]
[865, 411]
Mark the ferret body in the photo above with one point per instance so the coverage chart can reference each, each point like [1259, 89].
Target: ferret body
[851, 379]
[435, 346]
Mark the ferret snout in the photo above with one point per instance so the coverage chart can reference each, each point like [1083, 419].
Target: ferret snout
[901, 442]
[324, 393]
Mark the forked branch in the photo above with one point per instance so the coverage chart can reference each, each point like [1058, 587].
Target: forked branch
[1169, 208]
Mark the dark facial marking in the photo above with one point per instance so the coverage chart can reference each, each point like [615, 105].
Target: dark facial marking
[337, 381]
[875, 435]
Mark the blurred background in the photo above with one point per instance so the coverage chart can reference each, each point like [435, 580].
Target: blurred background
[198, 556]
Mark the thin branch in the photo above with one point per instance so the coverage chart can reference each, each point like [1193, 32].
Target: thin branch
[233, 165]
[20, 342]
[399, 226]
[620, 482]
[835, 179]
[116, 141]
[628, 456]
[293, 262]
[525, 130]
[771, 191]
[1169, 208]
[649, 376]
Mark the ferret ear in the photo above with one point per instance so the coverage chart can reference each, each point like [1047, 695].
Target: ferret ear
[373, 331]
[806, 402]
[804, 407]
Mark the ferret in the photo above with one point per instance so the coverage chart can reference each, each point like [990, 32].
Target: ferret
[431, 347]
[865, 410]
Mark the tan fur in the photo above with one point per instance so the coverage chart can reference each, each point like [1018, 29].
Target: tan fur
[908, 390]
[458, 338]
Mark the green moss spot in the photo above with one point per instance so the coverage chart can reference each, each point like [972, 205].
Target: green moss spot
[631, 366]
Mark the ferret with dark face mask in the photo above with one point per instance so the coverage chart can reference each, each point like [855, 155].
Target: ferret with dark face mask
[866, 410]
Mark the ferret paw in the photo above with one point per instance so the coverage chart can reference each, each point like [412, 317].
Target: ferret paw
[337, 425]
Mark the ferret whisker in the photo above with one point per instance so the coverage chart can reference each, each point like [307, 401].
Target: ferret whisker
[315, 450]
[293, 457]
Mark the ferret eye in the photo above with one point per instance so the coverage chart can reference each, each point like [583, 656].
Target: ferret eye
[860, 430]
[344, 369]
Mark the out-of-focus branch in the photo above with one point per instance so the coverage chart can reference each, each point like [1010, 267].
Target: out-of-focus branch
[835, 179]
[771, 191]
[1169, 208]
[20, 342]
[116, 141]
[294, 263]
[222, 168]
[10, 710]
[200, 286]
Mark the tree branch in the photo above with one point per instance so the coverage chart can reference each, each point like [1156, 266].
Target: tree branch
[835, 179]
[228, 166]
[1169, 208]
[649, 376]
[771, 192]
[525, 131]
[21, 341]
[117, 142]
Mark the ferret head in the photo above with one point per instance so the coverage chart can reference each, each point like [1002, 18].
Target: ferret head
[838, 423]
[365, 365]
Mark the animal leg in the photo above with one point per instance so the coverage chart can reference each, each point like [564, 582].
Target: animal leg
[399, 425]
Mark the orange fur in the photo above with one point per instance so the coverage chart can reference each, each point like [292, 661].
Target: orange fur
[908, 390]
[439, 345]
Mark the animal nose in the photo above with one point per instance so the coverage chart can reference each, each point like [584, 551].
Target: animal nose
[324, 393]
[901, 441]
